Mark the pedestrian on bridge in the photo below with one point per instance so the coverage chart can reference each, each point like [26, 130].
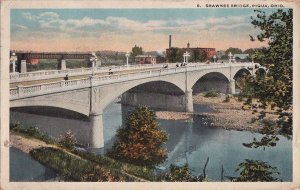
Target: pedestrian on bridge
[66, 77]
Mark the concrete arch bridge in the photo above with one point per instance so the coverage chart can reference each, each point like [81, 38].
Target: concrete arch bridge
[165, 88]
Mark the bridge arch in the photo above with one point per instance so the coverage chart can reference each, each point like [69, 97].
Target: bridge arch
[73, 101]
[260, 72]
[211, 81]
[241, 73]
[107, 94]
[51, 111]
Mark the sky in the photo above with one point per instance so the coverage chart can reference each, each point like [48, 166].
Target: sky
[121, 29]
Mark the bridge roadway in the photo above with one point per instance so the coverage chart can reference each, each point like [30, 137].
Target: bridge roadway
[50, 74]
[73, 76]
[91, 94]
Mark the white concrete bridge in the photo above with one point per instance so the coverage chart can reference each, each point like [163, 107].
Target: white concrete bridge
[91, 95]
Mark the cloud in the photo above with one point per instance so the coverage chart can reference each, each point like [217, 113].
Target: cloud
[113, 32]
[19, 27]
[52, 20]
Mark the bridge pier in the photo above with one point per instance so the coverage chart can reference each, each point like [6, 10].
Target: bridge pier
[61, 64]
[189, 101]
[232, 86]
[23, 68]
[96, 131]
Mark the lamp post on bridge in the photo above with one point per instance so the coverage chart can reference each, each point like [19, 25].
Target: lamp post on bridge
[215, 57]
[230, 58]
[93, 59]
[186, 57]
[230, 61]
[13, 59]
[127, 55]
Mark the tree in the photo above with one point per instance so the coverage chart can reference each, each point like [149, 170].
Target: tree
[254, 171]
[175, 55]
[274, 91]
[136, 51]
[140, 141]
[233, 50]
[249, 51]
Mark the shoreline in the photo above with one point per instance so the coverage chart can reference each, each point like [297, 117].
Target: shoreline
[26, 144]
[226, 115]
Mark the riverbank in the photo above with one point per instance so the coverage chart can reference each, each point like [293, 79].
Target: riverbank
[26, 144]
[226, 114]
[84, 164]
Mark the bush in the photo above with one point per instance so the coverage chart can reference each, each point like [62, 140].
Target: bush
[181, 174]
[256, 170]
[68, 140]
[140, 141]
[212, 94]
[31, 132]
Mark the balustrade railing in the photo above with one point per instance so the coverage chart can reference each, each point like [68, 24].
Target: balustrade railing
[39, 89]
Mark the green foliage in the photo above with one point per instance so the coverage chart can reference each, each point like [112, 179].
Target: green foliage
[265, 141]
[233, 51]
[140, 141]
[255, 171]
[198, 56]
[33, 132]
[72, 168]
[68, 140]
[181, 174]
[136, 51]
[175, 55]
[276, 88]
[274, 91]
[212, 93]
[117, 166]
[249, 51]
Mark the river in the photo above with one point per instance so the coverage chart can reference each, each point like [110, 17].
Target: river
[192, 141]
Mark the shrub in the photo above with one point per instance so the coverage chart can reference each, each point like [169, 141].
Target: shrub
[212, 94]
[31, 132]
[256, 170]
[68, 140]
[181, 174]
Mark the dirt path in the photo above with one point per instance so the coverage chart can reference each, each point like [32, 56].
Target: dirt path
[27, 144]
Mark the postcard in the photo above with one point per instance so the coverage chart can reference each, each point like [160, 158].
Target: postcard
[171, 95]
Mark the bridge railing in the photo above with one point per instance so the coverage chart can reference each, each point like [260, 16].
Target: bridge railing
[38, 75]
[64, 85]
[47, 74]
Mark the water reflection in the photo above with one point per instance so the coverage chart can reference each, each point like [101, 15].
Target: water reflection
[23, 168]
[194, 140]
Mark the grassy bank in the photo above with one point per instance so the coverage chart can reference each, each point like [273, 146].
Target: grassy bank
[72, 168]
[59, 158]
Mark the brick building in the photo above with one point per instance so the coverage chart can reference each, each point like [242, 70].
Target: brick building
[209, 51]
[145, 59]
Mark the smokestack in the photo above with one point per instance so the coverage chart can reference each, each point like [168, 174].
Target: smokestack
[170, 41]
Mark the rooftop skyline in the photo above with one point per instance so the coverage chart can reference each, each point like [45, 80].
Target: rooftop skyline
[121, 29]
